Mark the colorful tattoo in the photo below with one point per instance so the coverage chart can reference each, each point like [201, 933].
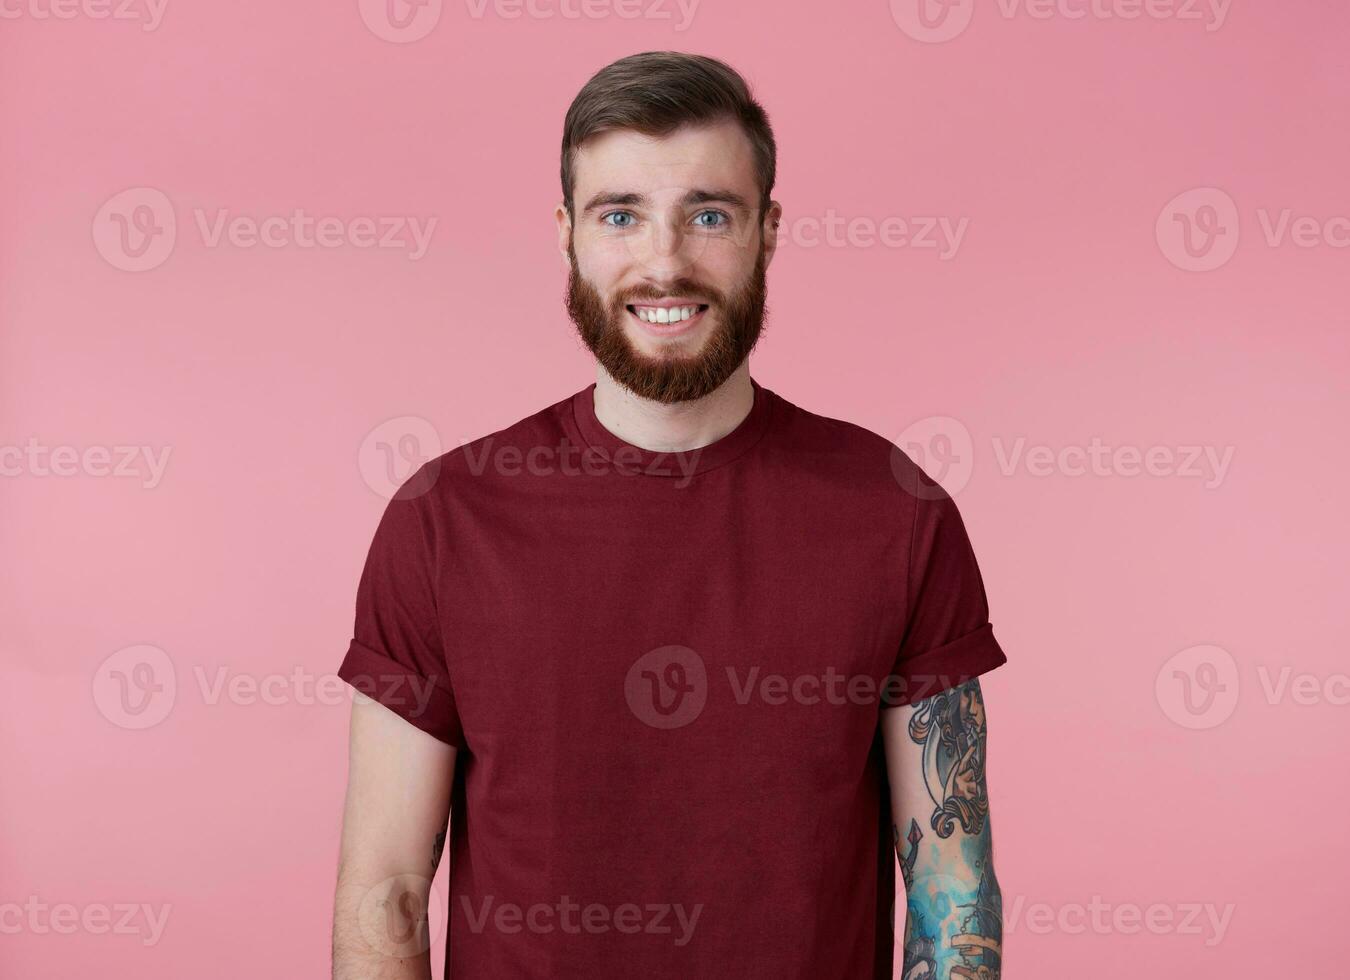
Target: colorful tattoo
[954, 927]
[907, 858]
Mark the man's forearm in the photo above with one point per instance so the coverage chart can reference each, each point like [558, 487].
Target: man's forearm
[380, 930]
[394, 826]
[954, 925]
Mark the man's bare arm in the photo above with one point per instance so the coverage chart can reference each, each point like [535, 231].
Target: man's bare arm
[935, 758]
[393, 830]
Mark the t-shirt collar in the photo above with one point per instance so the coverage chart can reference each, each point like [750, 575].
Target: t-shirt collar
[628, 458]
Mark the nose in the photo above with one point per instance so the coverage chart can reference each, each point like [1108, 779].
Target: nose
[669, 250]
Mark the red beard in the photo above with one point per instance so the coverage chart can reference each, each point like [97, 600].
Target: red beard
[671, 378]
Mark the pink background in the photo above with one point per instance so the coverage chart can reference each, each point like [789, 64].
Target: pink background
[1065, 316]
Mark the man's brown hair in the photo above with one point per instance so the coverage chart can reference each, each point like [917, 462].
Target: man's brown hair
[656, 92]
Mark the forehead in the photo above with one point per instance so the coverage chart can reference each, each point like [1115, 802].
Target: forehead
[714, 154]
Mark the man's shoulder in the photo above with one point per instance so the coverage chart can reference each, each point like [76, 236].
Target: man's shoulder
[502, 452]
[845, 449]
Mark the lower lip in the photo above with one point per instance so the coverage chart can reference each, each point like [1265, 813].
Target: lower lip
[668, 329]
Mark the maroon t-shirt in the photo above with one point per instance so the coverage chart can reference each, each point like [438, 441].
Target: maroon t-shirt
[664, 674]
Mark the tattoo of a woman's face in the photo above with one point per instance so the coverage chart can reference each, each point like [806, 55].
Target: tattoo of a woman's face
[950, 727]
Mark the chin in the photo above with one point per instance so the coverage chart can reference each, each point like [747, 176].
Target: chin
[681, 346]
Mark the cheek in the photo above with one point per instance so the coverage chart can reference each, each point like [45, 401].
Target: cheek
[726, 268]
[601, 263]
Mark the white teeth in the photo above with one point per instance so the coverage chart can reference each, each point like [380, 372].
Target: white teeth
[665, 315]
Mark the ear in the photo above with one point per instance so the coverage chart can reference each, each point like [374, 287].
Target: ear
[564, 221]
[769, 229]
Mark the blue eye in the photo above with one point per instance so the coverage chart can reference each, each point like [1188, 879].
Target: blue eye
[619, 214]
[710, 214]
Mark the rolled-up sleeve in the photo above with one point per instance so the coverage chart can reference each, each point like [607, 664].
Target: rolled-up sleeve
[396, 655]
[948, 638]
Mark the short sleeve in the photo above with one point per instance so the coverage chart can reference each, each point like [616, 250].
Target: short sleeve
[396, 656]
[947, 638]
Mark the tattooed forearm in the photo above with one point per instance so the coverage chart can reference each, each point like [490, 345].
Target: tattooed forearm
[951, 728]
[907, 854]
[954, 928]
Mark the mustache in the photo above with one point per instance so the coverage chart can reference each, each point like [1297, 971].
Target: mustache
[684, 288]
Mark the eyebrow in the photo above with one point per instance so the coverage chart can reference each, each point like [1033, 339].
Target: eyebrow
[633, 199]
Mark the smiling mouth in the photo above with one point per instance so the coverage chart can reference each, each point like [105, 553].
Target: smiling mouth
[667, 319]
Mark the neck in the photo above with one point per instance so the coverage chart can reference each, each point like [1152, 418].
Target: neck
[680, 427]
